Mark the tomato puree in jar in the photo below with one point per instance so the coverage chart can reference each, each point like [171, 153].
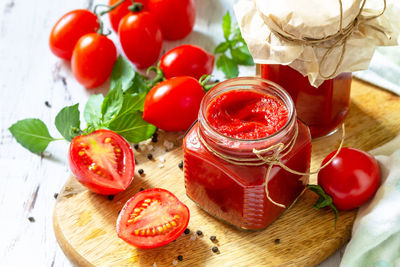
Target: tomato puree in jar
[235, 117]
[247, 114]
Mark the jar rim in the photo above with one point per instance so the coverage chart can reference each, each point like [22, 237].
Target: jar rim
[247, 83]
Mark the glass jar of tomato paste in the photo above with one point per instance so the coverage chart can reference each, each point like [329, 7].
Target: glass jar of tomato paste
[322, 108]
[224, 175]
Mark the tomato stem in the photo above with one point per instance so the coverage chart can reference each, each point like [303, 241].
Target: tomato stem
[159, 76]
[99, 14]
[135, 7]
[203, 82]
[324, 199]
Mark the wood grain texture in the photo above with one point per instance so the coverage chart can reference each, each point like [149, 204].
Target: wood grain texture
[85, 222]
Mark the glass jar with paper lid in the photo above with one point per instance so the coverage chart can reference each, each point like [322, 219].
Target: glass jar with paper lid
[310, 48]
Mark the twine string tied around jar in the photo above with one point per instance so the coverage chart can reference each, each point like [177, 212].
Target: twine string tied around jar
[279, 151]
[339, 38]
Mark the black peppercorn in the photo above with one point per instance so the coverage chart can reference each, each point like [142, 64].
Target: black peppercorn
[215, 249]
[180, 258]
[187, 231]
[47, 103]
[140, 171]
[277, 241]
[141, 189]
[199, 233]
[136, 146]
[150, 156]
[110, 197]
[31, 219]
[213, 238]
[180, 165]
[55, 195]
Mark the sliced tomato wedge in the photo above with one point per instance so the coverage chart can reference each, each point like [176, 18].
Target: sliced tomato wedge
[102, 161]
[152, 218]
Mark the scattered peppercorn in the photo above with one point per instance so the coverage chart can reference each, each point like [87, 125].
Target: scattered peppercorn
[154, 139]
[213, 238]
[198, 232]
[55, 195]
[31, 219]
[180, 165]
[110, 197]
[180, 258]
[187, 231]
[136, 146]
[47, 103]
[141, 189]
[215, 249]
[150, 156]
[140, 171]
[277, 241]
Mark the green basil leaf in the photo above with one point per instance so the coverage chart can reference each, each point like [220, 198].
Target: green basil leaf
[226, 25]
[222, 48]
[138, 84]
[122, 72]
[31, 134]
[241, 55]
[67, 122]
[132, 127]
[92, 112]
[112, 103]
[131, 104]
[227, 66]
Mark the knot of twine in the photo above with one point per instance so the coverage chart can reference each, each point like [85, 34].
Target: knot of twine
[340, 37]
[279, 151]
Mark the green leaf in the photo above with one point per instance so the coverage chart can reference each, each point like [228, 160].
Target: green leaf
[324, 199]
[132, 127]
[31, 134]
[92, 112]
[226, 25]
[222, 48]
[241, 55]
[112, 103]
[227, 66]
[131, 104]
[122, 72]
[67, 122]
[138, 84]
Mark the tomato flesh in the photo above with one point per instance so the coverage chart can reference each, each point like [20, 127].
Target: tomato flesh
[102, 161]
[152, 218]
[351, 179]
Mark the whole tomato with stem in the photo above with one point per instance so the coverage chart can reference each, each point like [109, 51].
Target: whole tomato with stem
[122, 10]
[351, 179]
[187, 60]
[93, 59]
[68, 29]
[102, 161]
[176, 17]
[173, 105]
[141, 38]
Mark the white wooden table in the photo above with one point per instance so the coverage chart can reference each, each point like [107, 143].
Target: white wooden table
[29, 76]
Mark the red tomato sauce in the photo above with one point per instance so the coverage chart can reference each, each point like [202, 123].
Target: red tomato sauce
[324, 108]
[236, 193]
[247, 114]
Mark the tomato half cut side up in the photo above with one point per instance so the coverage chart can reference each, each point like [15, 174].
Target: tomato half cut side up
[102, 161]
[152, 218]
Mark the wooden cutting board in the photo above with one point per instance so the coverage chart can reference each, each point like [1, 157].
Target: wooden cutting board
[84, 222]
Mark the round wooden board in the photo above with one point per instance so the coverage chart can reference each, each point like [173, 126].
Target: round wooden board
[84, 222]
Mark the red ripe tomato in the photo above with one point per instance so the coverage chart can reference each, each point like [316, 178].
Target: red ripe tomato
[102, 161]
[152, 218]
[187, 60]
[121, 11]
[141, 38]
[351, 179]
[176, 17]
[93, 59]
[68, 29]
[173, 105]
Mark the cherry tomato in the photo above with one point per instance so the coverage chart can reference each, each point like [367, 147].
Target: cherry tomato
[141, 38]
[93, 59]
[152, 218]
[351, 179]
[68, 29]
[173, 105]
[121, 11]
[187, 60]
[176, 17]
[102, 161]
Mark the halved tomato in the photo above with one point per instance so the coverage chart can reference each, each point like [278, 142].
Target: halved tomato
[102, 161]
[152, 218]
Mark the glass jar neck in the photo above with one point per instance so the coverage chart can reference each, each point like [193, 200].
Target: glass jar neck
[243, 148]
